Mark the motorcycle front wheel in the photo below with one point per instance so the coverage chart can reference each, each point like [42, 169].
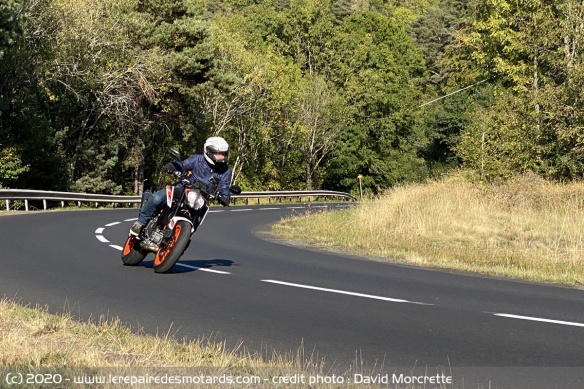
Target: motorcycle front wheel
[132, 255]
[167, 256]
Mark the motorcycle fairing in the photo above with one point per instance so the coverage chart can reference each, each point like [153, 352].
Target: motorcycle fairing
[175, 220]
[169, 195]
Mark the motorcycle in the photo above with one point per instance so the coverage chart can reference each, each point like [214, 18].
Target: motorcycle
[168, 233]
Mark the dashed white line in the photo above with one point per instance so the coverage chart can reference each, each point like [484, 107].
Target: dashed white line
[100, 237]
[539, 319]
[369, 296]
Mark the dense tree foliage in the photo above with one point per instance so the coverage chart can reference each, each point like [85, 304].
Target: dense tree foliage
[309, 93]
[534, 121]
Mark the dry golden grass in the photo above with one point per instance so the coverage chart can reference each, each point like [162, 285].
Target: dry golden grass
[56, 351]
[527, 228]
[60, 340]
[32, 340]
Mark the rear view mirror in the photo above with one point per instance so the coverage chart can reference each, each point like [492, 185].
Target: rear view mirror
[235, 189]
[175, 154]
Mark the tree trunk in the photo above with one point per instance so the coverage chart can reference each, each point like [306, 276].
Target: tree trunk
[139, 178]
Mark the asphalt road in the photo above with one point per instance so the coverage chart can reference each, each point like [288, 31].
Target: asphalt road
[234, 285]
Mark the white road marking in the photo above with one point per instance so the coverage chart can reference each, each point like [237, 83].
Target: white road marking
[182, 264]
[566, 323]
[369, 296]
[201, 268]
[101, 238]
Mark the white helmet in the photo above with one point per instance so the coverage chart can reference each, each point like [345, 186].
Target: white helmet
[216, 151]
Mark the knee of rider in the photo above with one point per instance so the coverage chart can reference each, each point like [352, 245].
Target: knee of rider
[159, 196]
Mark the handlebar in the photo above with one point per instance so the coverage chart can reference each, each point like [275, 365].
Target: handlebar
[197, 184]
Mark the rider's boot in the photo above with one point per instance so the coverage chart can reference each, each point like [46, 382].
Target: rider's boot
[136, 228]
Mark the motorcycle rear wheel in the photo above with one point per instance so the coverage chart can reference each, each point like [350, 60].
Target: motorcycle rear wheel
[167, 256]
[132, 255]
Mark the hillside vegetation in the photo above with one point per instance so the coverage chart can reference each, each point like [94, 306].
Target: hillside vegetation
[310, 94]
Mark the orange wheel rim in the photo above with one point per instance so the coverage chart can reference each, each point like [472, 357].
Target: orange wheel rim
[163, 253]
[129, 246]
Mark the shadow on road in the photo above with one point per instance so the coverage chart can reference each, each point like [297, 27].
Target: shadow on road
[190, 266]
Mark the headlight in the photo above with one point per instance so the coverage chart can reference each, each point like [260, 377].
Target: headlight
[195, 200]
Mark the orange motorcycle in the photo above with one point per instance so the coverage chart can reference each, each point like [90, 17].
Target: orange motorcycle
[169, 232]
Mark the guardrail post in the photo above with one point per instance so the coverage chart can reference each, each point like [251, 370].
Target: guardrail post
[8, 205]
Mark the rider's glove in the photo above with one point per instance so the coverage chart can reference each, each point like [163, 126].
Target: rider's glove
[171, 167]
[223, 200]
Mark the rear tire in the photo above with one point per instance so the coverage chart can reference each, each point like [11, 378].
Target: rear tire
[132, 255]
[166, 257]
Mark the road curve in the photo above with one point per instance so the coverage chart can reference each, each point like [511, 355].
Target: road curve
[234, 285]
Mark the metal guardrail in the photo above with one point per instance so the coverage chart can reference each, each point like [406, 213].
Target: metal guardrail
[26, 195]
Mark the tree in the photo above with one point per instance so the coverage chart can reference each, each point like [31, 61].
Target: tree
[533, 48]
[374, 64]
[27, 146]
[322, 117]
[256, 110]
[123, 85]
[446, 109]
[11, 18]
[11, 166]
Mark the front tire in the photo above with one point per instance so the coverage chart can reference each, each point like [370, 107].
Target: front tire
[166, 257]
[132, 255]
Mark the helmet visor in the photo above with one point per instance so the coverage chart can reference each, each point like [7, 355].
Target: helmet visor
[219, 156]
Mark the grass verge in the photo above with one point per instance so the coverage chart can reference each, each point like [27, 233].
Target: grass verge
[43, 350]
[37, 345]
[526, 228]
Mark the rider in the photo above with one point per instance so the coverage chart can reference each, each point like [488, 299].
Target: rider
[211, 164]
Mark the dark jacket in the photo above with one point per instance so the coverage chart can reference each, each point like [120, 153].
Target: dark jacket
[202, 171]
